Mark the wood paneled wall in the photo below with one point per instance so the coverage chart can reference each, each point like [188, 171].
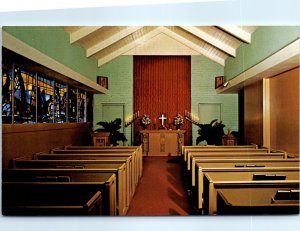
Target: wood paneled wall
[284, 111]
[26, 139]
[253, 113]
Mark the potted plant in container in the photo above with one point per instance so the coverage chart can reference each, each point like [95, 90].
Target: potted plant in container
[113, 128]
[212, 133]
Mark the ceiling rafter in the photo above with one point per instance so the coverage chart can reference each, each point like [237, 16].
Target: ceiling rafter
[211, 38]
[238, 32]
[143, 38]
[206, 50]
[111, 40]
[83, 32]
[108, 42]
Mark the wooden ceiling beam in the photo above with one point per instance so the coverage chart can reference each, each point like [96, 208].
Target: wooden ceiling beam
[186, 41]
[238, 33]
[210, 38]
[111, 40]
[142, 39]
[82, 32]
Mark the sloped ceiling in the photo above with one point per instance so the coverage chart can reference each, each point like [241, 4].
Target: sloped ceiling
[106, 43]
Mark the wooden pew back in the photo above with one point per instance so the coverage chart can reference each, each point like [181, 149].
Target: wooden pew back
[254, 200]
[124, 193]
[50, 198]
[106, 181]
[232, 163]
[241, 177]
[185, 149]
[237, 155]
[137, 149]
[137, 158]
[86, 157]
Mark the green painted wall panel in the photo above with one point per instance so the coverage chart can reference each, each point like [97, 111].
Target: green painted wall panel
[266, 40]
[54, 42]
[120, 83]
[203, 72]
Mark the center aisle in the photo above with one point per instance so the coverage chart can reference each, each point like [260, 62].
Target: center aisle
[161, 189]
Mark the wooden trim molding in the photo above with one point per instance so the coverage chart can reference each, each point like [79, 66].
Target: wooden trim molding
[283, 60]
[21, 128]
[266, 114]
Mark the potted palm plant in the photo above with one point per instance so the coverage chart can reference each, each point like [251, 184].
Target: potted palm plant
[212, 133]
[113, 128]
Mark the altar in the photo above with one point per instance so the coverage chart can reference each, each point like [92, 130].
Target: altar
[162, 142]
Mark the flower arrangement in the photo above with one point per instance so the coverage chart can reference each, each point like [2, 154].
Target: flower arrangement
[145, 121]
[178, 120]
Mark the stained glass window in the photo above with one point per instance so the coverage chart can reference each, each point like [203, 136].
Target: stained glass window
[6, 94]
[30, 97]
[72, 104]
[81, 101]
[60, 102]
[45, 100]
[24, 96]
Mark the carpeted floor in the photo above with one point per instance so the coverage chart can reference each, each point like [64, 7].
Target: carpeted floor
[161, 190]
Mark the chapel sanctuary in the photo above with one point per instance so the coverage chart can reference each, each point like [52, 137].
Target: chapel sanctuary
[150, 120]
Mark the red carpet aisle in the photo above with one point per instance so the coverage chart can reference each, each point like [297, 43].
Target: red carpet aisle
[160, 190]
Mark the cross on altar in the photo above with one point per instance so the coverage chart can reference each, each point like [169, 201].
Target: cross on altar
[163, 118]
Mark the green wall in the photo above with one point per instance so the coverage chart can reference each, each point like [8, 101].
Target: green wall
[266, 40]
[120, 83]
[203, 72]
[54, 42]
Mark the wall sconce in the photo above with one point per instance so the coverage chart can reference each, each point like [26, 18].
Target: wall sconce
[225, 84]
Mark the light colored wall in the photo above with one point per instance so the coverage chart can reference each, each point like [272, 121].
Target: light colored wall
[54, 42]
[203, 72]
[266, 40]
[120, 83]
[284, 111]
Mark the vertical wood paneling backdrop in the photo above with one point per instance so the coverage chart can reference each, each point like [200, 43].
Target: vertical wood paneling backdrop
[162, 84]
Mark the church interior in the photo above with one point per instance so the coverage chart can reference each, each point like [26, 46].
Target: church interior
[150, 120]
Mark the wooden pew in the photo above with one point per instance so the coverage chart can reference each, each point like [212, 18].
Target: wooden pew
[98, 179]
[136, 160]
[89, 157]
[237, 177]
[253, 201]
[207, 165]
[119, 169]
[231, 162]
[233, 149]
[235, 154]
[138, 149]
[50, 198]
[185, 149]
[135, 150]
[83, 164]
